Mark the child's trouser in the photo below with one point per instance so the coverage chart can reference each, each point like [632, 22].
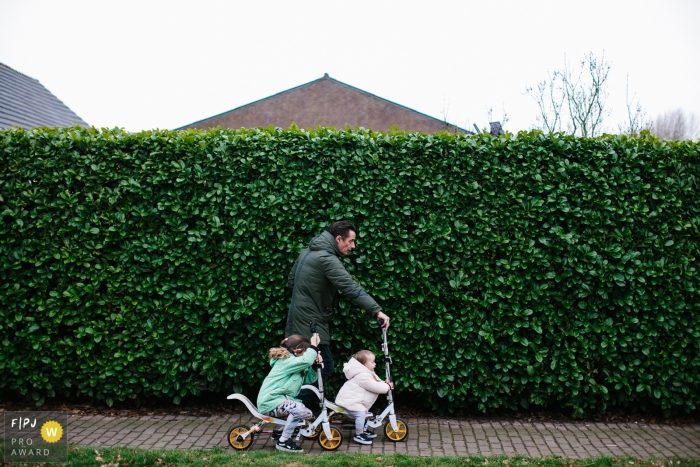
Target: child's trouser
[360, 418]
[296, 412]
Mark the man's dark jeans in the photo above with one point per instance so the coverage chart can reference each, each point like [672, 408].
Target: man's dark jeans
[308, 398]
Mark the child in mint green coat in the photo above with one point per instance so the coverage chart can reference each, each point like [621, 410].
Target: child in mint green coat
[290, 364]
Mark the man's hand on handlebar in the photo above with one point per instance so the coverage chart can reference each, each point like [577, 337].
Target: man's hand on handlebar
[384, 320]
[315, 340]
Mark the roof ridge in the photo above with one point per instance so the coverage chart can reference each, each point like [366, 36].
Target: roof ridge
[392, 102]
[28, 103]
[19, 72]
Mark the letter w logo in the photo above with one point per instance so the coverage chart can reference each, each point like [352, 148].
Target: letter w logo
[51, 431]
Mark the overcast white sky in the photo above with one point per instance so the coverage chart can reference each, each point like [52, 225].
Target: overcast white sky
[144, 64]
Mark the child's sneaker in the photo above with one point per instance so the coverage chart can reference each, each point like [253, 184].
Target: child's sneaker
[370, 435]
[362, 438]
[288, 446]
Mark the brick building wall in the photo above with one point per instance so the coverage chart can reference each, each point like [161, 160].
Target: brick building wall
[326, 102]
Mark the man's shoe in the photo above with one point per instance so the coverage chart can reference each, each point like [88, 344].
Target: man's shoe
[362, 438]
[370, 435]
[288, 446]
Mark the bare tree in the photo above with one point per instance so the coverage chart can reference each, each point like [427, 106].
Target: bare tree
[586, 95]
[637, 118]
[576, 98]
[675, 124]
[550, 99]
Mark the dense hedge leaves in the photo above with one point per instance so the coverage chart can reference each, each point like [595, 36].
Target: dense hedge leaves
[521, 270]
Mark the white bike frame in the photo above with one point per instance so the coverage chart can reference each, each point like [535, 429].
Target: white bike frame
[377, 421]
[305, 428]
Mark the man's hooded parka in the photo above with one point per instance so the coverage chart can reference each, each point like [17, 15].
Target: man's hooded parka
[314, 279]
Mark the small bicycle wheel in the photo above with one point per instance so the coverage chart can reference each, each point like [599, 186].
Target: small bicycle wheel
[237, 441]
[401, 432]
[332, 443]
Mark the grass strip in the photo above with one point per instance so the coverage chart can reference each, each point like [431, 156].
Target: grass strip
[82, 456]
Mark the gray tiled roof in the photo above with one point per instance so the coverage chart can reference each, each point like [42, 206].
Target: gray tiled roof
[25, 103]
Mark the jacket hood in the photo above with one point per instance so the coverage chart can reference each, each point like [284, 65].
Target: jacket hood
[324, 242]
[353, 368]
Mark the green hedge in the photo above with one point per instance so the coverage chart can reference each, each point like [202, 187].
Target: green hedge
[524, 270]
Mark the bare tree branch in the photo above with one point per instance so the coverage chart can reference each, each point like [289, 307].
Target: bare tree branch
[586, 95]
[574, 98]
[505, 118]
[550, 98]
[637, 118]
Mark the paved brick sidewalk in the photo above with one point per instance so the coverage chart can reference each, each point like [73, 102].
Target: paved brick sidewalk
[427, 437]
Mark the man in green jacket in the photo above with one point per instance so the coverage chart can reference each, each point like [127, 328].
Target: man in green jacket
[314, 279]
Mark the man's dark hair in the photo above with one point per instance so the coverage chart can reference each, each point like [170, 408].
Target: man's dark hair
[342, 228]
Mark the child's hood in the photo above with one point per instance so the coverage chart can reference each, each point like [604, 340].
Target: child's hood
[354, 368]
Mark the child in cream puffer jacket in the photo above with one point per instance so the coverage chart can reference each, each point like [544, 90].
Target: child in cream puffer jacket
[360, 391]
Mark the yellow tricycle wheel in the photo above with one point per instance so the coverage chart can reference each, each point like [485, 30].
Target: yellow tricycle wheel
[332, 443]
[401, 432]
[236, 439]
